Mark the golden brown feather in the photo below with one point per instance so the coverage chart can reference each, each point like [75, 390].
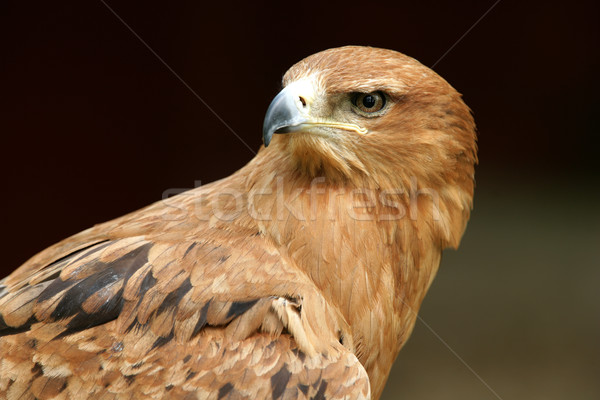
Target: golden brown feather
[299, 276]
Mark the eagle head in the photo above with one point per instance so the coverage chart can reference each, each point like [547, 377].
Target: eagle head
[365, 111]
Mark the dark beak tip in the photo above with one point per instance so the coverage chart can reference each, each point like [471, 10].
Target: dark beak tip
[267, 136]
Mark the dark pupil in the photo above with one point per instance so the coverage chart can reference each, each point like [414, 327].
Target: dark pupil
[369, 101]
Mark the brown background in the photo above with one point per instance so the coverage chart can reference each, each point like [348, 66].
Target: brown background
[93, 125]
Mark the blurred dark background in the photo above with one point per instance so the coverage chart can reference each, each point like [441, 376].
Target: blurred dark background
[93, 126]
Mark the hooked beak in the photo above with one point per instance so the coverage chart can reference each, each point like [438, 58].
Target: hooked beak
[285, 114]
[292, 111]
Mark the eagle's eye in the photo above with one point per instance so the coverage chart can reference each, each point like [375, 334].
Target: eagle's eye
[368, 104]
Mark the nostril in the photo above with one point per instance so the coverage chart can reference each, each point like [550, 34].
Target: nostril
[302, 101]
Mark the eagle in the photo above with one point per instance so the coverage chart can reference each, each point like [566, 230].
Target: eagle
[297, 277]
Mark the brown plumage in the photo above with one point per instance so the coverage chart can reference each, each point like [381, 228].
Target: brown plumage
[299, 276]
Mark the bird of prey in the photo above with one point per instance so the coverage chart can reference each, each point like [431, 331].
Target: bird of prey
[297, 277]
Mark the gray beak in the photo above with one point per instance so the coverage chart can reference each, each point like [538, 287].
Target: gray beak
[283, 115]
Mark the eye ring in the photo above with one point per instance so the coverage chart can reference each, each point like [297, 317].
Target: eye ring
[369, 104]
